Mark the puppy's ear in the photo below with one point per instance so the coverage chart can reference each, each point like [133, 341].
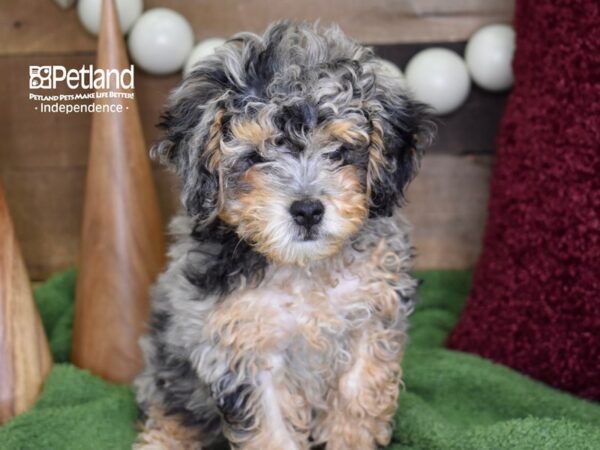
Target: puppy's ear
[193, 123]
[400, 129]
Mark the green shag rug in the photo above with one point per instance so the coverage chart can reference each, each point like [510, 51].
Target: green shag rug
[452, 400]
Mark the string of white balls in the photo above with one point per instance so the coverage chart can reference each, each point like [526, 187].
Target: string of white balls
[161, 42]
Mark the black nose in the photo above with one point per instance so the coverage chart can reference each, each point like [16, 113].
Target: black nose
[307, 212]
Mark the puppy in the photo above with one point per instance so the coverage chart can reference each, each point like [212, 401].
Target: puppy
[280, 322]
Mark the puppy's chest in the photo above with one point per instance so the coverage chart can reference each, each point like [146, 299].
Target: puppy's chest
[297, 310]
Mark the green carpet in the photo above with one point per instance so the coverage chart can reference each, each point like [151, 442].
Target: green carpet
[452, 400]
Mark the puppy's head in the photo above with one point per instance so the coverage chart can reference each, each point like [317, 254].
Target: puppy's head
[294, 139]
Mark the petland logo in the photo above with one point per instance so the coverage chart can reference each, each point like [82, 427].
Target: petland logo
[49, 77]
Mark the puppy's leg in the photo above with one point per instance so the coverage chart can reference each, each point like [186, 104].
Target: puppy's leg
[362, 409]
[264, 414]
[178, 411]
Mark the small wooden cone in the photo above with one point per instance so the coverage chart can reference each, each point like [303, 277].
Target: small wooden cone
[122, 242]
[24, 354]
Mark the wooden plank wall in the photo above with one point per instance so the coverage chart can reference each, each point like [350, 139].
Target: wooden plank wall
[43, 156]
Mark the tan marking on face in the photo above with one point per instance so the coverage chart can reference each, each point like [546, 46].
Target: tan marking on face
[250, 212]
[228, 216]
[352, 202]
[252, 216]
[347, 131]
[213, 147]
[240, 207]
[232, 210]
[377, 161]
[251, 131]
[212, 158]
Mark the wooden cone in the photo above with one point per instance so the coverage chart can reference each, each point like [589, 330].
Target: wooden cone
[122, 243]
[24, 354]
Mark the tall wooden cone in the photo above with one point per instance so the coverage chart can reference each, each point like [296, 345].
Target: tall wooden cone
[24, 354]
[122, 243]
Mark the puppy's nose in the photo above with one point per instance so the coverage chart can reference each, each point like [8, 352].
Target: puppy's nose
[307, 212]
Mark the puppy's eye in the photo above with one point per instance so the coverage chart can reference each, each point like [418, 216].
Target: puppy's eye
[253, 158]
[278, 141]
[340, 154]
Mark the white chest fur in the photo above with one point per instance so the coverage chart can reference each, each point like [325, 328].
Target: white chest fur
[289, 304]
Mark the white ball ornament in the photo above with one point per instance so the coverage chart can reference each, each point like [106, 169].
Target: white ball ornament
[489, 54]
[202, 50]
[160, 41]
[89, 12]
[439, 78]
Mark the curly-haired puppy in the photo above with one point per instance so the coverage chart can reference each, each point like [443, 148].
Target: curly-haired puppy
[280, 322]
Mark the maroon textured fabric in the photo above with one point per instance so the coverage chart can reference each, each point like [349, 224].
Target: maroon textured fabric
[535, 301]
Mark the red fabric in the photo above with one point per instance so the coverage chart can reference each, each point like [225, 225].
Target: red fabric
[535, 301]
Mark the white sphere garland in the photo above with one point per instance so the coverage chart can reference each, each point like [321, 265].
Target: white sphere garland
[89, 12]
[489, 55]
[438, 77]
[162, 42]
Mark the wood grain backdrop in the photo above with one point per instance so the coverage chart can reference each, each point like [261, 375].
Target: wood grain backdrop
[43, 156]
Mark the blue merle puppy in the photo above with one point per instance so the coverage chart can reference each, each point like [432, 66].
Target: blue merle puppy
[280, 322]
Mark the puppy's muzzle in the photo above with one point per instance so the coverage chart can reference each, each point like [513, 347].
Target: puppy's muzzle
[308, 212]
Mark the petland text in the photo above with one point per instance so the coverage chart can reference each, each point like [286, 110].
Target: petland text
[49, 77]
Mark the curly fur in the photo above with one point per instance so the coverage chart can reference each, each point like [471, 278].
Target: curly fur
[265, 333]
